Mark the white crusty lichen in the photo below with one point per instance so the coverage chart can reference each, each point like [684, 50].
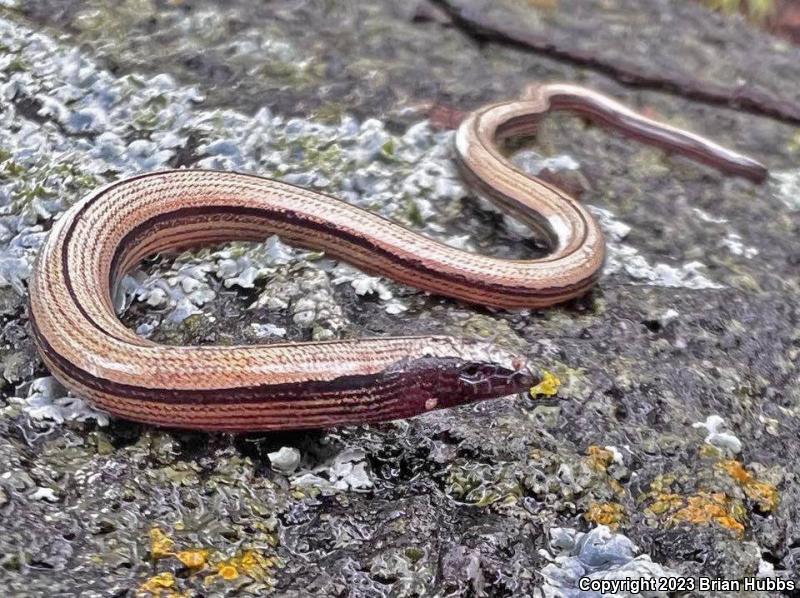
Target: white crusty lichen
[599, 554]
[785, 186]
[348, 470]
[718, 435]
[47, 399]
[624, 258]
[91, 127]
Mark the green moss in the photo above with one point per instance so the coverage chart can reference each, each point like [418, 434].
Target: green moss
[413, 213]
[11, 169]
[75, 175]
[330, 113]
[193, 323]
[18, 65]
[146, 119]
[414, 554]
[319, 154]
[482, 485]
[389, 148]
[757, 10]
[296, 74]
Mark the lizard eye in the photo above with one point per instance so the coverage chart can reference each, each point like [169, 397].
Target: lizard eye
[471, 370]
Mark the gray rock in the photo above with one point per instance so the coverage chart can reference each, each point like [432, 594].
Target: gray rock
[285, 460]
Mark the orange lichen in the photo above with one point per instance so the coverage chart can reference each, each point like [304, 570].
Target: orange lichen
[766, 495]
[599, 458]
[251, 563]
[255, 564]
[547, 387]
[737, 471]
[665, 502]
[608, 513]
[194, 558]
[708, 507]
[160, 544]
[662, 483]
[228, 572]
[616, 486]
[162, 585]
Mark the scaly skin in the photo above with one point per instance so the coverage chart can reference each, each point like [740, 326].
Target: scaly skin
[319, 384]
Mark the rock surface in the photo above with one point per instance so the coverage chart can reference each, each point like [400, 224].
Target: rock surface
[670, 447]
